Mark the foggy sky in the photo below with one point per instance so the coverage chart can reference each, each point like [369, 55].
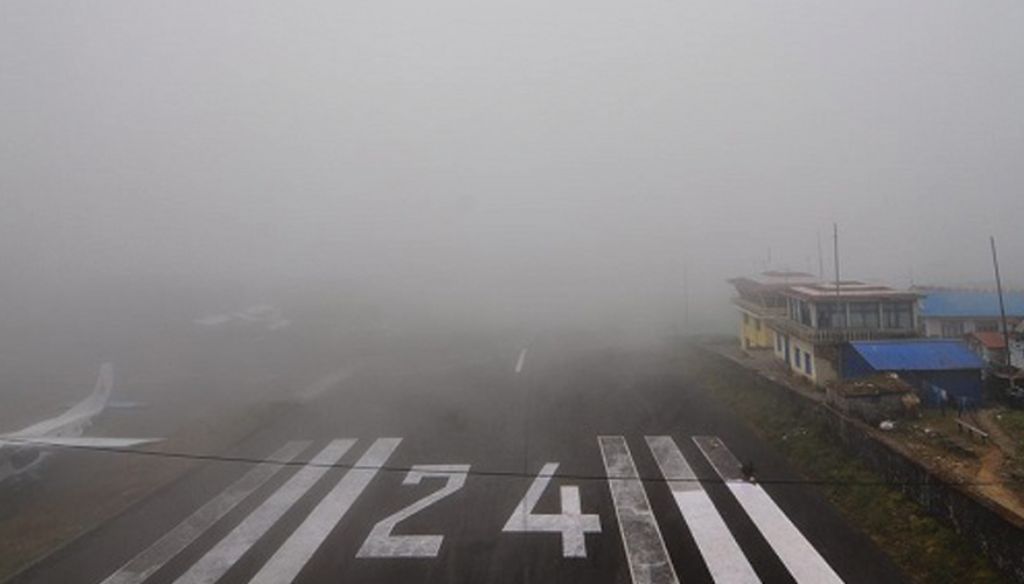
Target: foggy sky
[510, 158]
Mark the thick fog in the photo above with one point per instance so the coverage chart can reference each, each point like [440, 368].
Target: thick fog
[497, 161]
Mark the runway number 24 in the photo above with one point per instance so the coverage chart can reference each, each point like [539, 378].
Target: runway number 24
[571, 523]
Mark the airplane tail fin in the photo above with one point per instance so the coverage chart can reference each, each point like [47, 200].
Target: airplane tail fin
[95, 403]
[105, 384]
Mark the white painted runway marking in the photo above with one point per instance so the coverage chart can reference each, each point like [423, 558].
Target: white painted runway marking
[219, 560]
[322, 385]
[382, 544]
[521, 361]
[796, 553]
[649, 562]
[155, 556]
[288, 561]
[571, 523]
[723, 556]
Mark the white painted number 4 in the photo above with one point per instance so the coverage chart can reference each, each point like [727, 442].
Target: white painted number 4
[571, 523]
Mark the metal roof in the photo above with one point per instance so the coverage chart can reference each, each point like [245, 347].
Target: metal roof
[850, 290]
[989, 339]
[970, 303]
[917, 355]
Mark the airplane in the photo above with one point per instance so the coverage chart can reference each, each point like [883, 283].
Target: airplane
[261, 314]
[23, 450]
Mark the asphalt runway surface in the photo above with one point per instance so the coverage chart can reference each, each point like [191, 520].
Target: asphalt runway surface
[548, 461]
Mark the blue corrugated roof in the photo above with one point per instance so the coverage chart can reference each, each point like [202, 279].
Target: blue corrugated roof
[966, 303]
[917, 355]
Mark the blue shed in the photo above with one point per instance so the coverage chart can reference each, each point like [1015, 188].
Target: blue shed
[933, 366]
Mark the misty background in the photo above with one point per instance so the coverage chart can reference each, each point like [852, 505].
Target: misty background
[496, 163]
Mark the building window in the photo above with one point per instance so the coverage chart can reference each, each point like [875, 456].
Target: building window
[778, 342]
[831, 315]
[805, 313]
[897, 315]
[807, 364]
[953, 329]
[986, 326]
[864, 315]
[796, 357]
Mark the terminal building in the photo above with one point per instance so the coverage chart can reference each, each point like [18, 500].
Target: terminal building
[759, 300]
[820, 318]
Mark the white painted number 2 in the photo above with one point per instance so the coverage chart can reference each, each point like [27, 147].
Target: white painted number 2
[571, 523]
[381, 544]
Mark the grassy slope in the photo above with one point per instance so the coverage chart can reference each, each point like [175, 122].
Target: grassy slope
[925, 549]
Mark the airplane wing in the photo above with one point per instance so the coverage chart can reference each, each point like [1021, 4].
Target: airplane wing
[74, 442]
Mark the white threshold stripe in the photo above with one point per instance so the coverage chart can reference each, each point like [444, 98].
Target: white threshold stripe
[721, 553]
[804, 563]
[142, 566]
[649, 562]
[219, 560]
[290, 558]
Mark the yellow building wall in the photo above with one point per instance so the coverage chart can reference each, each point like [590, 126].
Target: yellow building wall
[754, 333]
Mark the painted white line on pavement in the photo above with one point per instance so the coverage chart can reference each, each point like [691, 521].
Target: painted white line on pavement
[649, 562]
[797, 554]
[521, 361]
[289, 559]
[155, 556]
[322, 385]
[219, 560]
[724, 558]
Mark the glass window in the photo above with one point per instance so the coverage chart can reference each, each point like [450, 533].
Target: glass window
[807, 364]
[831, 315]
[897, 315]
[864, 315]
[805, 313]
[954, 328]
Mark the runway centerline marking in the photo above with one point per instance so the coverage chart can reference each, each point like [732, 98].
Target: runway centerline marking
[521, 361]
[290, 558]
[219, 560]
[649, 562]
[173, 542]
[721, 553]
[797, 554]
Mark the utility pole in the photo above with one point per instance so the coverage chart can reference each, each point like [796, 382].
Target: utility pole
[821, 260]
[999, 290]
[835, 252]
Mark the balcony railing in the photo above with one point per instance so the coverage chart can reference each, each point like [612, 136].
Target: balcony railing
[838, 335]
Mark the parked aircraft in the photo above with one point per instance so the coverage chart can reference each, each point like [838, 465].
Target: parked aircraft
[23, 450]
[264, 315]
